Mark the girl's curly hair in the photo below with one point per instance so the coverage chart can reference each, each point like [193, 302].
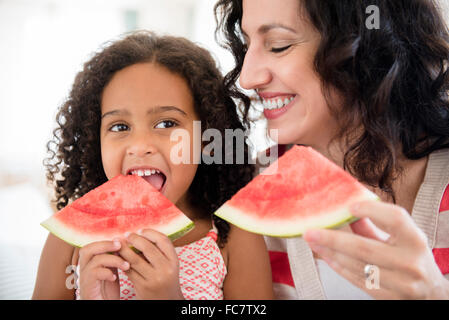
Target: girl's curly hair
[74, 163]
[394, 80]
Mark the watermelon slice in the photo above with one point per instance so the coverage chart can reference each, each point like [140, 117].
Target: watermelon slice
[302, 190]
[122, 204]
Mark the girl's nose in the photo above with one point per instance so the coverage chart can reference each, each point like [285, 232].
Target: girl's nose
[141, 145]
[255, 71]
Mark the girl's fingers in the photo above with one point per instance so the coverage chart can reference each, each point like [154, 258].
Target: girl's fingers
[109, 261]
[88, 251]
[103, 274]
[150, 251]
[162, 242]
[393, 219]
[355, 246]
[366, 228]
[135, 276]
[136, 262]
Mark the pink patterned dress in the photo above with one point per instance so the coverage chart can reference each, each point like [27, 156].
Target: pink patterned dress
[202, 271]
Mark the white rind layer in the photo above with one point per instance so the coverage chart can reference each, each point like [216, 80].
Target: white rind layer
[290, 227]
[175, 229]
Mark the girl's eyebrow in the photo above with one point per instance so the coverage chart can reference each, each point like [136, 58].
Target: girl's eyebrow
[157, 109]
[161, 109]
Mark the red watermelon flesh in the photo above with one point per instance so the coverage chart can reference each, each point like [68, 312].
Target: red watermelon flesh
[122, 204]
[302, 190]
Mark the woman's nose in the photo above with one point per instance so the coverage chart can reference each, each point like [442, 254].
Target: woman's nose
[141, 145]
[255, 71]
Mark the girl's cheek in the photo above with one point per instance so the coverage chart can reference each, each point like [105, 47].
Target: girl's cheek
[110, 157]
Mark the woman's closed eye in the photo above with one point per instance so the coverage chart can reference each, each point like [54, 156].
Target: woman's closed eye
[279, 49]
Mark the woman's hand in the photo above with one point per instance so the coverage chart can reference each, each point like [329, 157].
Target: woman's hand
[155, 274]
[98, 279]
[406, 266]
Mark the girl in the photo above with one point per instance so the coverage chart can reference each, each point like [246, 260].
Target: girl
[375, 101]
[118, 119]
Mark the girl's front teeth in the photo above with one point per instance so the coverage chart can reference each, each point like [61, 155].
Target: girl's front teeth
[142, 173]
[276, 103]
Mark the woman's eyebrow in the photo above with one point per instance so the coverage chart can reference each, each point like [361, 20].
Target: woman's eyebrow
[267, 27]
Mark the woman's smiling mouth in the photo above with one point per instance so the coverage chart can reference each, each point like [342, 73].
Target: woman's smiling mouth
[276, 105]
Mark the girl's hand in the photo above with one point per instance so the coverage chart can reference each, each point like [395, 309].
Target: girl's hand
[97, 280]
[407, 269]
[155, 275]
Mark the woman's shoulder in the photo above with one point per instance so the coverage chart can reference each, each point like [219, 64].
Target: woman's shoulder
[436, 179]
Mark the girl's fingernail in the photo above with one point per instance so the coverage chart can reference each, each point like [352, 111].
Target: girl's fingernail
[116, 243]
[127, 234]
[125, 265]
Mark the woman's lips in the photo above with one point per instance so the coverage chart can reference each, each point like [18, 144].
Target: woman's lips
[272, 114]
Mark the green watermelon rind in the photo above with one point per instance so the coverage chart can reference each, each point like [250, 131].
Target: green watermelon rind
[63, 232]
[255, 225]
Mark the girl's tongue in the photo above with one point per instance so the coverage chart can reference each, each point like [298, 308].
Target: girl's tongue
[156, 180]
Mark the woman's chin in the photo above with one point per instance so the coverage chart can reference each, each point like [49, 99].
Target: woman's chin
[284, 135]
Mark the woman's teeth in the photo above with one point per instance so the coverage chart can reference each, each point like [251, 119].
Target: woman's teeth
[276, 103]
[144, 173]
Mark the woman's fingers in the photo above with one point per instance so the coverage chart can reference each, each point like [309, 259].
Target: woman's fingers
[379, 285]
[366, 228]
[393, 219]
[355, 246]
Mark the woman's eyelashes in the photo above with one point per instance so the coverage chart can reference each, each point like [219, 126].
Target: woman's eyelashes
[279, 49]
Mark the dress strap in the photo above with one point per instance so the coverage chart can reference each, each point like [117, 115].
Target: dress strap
[213, 233]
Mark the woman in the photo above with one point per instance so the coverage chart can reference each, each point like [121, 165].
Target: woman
[374, 101]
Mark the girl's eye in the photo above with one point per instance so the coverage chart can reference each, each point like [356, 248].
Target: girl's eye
[165, 124]
[119, 127]
[277, 50]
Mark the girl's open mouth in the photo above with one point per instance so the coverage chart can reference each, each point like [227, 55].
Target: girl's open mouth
[155, 177]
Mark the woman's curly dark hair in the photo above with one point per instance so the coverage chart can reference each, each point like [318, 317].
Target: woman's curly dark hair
[394, 80]
[74, 164]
